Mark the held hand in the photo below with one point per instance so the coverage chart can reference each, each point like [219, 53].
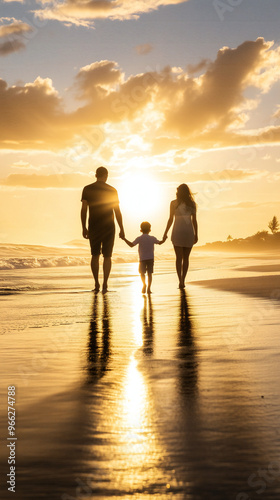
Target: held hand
[164, 238]
[85, 233]
[122, 235]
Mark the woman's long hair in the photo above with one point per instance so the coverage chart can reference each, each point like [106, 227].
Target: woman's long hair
[184, 195]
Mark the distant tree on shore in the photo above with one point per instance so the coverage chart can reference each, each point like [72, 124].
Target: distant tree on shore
[273, 225]
[229, 238]
[259, 236]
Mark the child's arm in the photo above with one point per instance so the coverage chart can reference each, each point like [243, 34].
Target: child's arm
[129, 243]
[160, 242]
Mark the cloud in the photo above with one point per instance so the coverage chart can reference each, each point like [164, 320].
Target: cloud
[75, 180]
[247, 205]
[31, 115]
[167, 108]
[15, 28]
[277, 113]
[83, 12]
[14, 36]
[21, 164]
[214, 101]
[196, 68]
[25, 165]
[10, 47]
[143, 49]
[226, 175]
[97, 79]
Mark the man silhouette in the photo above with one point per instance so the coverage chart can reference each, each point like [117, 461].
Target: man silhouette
[102, 202]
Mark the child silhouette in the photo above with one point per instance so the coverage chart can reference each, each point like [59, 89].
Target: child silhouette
[145, 244]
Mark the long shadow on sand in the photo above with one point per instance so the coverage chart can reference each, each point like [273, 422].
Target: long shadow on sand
[57, 439]
[213, 444]
[99, 341]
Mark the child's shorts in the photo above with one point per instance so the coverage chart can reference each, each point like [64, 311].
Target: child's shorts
[146, 265]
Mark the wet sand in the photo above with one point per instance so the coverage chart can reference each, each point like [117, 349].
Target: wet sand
[256, 286]
[173, 396]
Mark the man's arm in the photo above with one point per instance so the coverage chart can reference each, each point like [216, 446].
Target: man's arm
[84, 218]
[118, 215]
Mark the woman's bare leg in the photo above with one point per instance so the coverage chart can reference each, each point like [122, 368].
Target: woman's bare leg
[186, 255]
[179, 263]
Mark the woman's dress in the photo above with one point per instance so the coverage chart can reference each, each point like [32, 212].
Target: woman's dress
[183, 230]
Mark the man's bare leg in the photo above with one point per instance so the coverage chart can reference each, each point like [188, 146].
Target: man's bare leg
[150, 278]
[95, 271]
[144, 283]
[107, 264]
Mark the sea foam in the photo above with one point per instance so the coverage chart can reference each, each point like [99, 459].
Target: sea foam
[42, 262]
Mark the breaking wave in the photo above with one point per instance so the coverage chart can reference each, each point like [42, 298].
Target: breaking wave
[41, 262]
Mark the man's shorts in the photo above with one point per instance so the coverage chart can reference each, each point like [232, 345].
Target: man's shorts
[102, 241]
[146, 265]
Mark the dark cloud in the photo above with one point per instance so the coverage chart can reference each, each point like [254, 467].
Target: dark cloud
[9, 47]
[13, 37]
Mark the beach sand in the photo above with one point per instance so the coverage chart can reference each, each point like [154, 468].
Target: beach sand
[256, 286]
[173, 396]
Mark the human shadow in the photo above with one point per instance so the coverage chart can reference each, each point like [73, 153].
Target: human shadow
[187, 352]
[218, 444]
[148, 327]
[67, 415]
[98, 348]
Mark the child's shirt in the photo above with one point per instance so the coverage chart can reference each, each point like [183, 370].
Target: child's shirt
[146, 246]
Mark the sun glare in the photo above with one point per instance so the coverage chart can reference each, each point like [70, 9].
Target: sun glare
[140, 196]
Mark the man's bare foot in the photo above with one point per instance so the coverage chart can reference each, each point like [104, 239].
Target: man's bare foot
[104, 289]
[149, 291]
[144, 289]
[96, 288]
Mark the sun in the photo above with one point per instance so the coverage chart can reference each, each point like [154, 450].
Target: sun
[140, 196]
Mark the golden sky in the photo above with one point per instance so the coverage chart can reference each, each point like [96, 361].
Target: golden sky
[161, 92]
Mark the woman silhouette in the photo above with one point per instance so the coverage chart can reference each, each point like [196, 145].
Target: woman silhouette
[184, 233]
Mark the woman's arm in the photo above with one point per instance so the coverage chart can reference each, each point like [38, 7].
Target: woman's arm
[194, 221]
[170, 220]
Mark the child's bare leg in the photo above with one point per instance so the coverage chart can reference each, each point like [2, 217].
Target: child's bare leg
[144, 283]
[150, 278]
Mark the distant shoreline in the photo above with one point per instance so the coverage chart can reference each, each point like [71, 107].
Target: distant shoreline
[259, 242]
